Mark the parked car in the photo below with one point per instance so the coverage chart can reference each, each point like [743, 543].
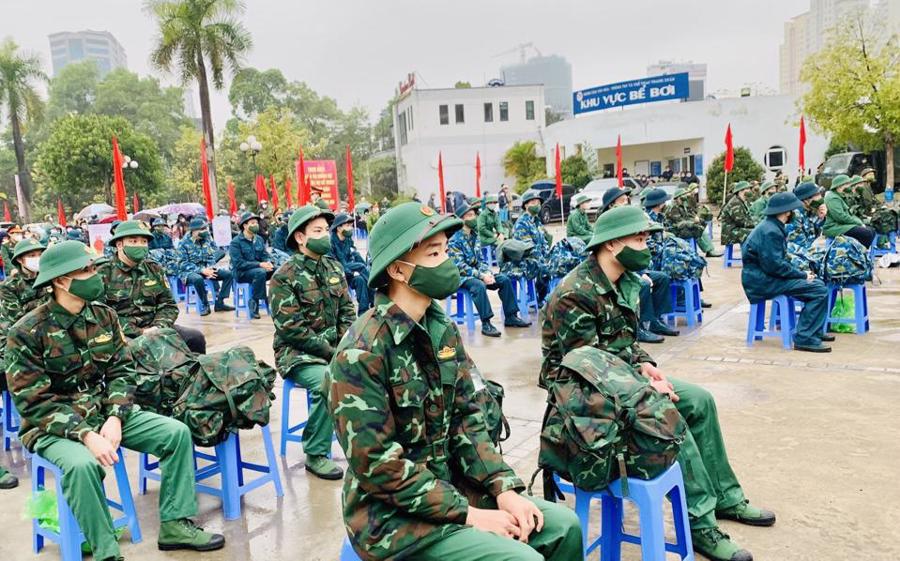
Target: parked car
[852, 163]
[597, 187]
[515, 207]
[551, 208]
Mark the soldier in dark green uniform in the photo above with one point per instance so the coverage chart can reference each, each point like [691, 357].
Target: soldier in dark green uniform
[197, 256]
[162, 238]
[839, 221]
[578, 225]
[356, 270]
[425, 482]
[72, 380]
[312, 309]
[612, 198]
[250, 261]
[735, 216]
[491, 230]
[758, 207]
[137, 288]
[596, 305]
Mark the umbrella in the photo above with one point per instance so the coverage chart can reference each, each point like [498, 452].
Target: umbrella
[95, 209]
[146, 216]
[187, 209]
[363, 206]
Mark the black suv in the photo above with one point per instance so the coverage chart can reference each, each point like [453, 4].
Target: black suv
[551, 209]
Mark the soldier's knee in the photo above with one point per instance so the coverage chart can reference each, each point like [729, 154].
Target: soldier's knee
[258, 273]
[476, 287]
[81, 466]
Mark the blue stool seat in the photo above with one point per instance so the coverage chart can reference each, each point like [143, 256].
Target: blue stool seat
[360, 234]
[243, 293]
[876, 251]
[291, 433]
[783, 312]
[10, 421]
[730, 259]
[489, 255]
[649, 497]
[860, 317]
[179, 294]
[70, 537]
[465, 309]
[526, 293]
[193, 299]
[347, 553]
[690, 308]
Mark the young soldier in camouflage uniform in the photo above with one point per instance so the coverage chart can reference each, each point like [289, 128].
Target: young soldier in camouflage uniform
[806, 223]
[250, 260]
[477, 277]
[137, 288]
[312, 309]
[425, 482]
[197, 256]
[72, 380]
[491, 230]
[758, 207]
[735, 217]
[864, 201]
[528, 228]
[683, 219]
[578, 225]
[596, 305]
[356, 271]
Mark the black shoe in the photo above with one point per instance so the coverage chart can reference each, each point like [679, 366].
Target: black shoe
[516, 321]
[828, 338]
[820, 349]
[488, 329]
[8, 480]
[223, 308]
[705, 305]
[205, 311]
[660, 328]
[253, 307]
[715, 253]
[645, 336]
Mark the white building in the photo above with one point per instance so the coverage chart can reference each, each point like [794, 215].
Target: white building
[100, 46]
[688, 136]
[460, 123]
[696, 75]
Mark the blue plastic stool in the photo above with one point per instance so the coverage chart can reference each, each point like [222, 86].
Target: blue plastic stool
[10, 421]
[70, 536]
[875, 251]
[347, 553]
[178, 291]
[693, 243]
[465, 312]
[730, 259]
[360, 234]
[554, 282]
[526, 293]
[860, 317]
[690, 310]
[243, 292]
[649, 497]
[784, 309]
[291, 433]
[2, 274]
[489, 255]
[193, 299]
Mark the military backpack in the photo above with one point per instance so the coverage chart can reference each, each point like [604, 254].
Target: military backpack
[567, 254]
[846, 262]
[678, 259]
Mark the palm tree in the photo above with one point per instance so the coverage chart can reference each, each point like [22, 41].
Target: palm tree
[198, 39]
[18, 72]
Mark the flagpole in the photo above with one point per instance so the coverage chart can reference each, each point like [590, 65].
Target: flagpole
[725, 189]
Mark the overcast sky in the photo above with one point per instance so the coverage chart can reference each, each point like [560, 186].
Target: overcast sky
[357, 50]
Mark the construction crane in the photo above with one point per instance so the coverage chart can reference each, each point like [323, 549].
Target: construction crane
[521, 49]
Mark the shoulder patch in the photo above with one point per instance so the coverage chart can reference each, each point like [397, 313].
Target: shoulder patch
[446, 353]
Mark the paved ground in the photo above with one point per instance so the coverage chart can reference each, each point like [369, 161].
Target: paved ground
[814, 437]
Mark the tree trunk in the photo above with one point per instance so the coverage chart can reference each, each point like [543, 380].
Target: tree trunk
[206, 118]
[889, 160]
[24, 175]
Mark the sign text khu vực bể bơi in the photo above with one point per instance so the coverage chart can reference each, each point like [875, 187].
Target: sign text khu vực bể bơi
[642, 90]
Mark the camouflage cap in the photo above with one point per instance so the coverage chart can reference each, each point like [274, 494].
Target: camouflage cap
[301, 217]
[64, 258]
[131, 228]
[25, 246]
[766, 186]
[685, 189]
[620, 222]
[856, 180]
[401, 229]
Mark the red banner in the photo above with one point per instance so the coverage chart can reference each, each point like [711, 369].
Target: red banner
[287, 193]
[60, 213]
[232, 200]
[477, 175]
[619, 167]
[7, 217]
[274, 193]
[204, 170]
[302, 182]
[729, 150]
[261, 194]
[441, 183]
[119, 180]
[351, 201]
[802, 147]
[321, 176]
[559, 191]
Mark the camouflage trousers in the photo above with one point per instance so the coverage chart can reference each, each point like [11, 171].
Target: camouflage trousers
[560, 540]
[709, 482]
[167, 439]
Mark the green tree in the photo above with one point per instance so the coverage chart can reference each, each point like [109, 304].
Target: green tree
[18, 74]
[854, 88]
[383, 176]
[745, 169]
[574, 171]
[73, 89]
[252, 91]
[184, 178]
[75, 162]
[521, 162]
[836, 148]
[198, 39]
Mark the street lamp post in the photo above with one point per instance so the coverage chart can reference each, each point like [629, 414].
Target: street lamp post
[252, 147]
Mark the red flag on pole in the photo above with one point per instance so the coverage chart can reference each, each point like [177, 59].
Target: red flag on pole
[619, 168]
[477, 175]
[232, 200]
[60, 213]
[7, 217]
[135, 203]
[558, 174]
[261, 194]
[802, 146]
[729, 150]
[204, 169]
[303, 195]
[287, 193]
[121, 212]
[351, 201]
[274, 192]
[441, 182]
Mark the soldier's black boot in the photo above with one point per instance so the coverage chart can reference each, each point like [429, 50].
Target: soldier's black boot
[660, 328]
[647, 336]
[253, 305]
[488, 329]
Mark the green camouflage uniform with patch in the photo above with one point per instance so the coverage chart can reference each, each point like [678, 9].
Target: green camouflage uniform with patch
[683, 219]
[17, 294]
[735, 217]
[758, 207]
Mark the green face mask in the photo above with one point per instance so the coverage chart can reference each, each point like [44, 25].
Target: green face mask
[254, 229]
[319, 246]
[136, 253]
[472, 223]
[814, 205]
[634, 260]
[435, 282]
[347, 233]
[533, 209]
[88, 289]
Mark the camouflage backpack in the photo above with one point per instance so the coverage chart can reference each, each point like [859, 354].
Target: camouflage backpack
[497, 425]
[567, 254]
[806, 258]
[677, 258]
[605, 421]
[228, 391]
[846, 262]
[884, 220]
[163, 365]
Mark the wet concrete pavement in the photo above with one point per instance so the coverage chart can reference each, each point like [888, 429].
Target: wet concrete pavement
[813, 437]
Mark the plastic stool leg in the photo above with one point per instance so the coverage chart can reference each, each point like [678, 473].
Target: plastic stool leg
[684, 546]
[689, 305]
[522, 292]
[611, 528]
[285, 414]
[653, 533]
[583, 511]
[751, 324]
[271, 460]
[786, 311]
[226, 455]
[134, 528]
[470, 313]
[69, 532]
[37, 482]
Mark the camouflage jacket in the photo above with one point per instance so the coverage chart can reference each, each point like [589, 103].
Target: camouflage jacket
[655, 241]
[346, 254]
[17, 298]
[803, 229]
[737, 222]
[586, 309]
[465, 250]
[579, 226]
[537, 263]
[407, 406]
[194, 256]
[863, 202]
[311, 309]
[758, 208]
[489, 227]
[681, 218]
[68, 373]
[140, 295]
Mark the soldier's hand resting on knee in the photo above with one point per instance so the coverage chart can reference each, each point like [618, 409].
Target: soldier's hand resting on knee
[101, 449]
[528, 516]
[652, 372]
[664, 386]
[112, 431]
[497, 522]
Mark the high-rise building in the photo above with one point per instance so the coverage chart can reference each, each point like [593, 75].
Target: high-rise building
[67, 47]
[553, 71]
[696, 75]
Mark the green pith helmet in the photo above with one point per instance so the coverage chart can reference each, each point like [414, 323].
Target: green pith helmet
[246, 217]
[839, 181]
[131, 228]
[740, 186]
[578, 199]
[488, 199]
[25, 246]
[686, 190]
[856, 180]
[530, 195]
[620, 222]
[64, 258]
[766, 186]
[301, 217]
[782, 202]
[401, 229]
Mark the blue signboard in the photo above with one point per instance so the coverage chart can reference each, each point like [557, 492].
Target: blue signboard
[698, 164]
[642, 90]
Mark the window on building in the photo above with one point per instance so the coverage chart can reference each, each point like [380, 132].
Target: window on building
[401, 123]
[460, 113]
[488, 112]
[774, 158]
[409, 118]
[444, 112]
[504, 110]
[529, 110]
